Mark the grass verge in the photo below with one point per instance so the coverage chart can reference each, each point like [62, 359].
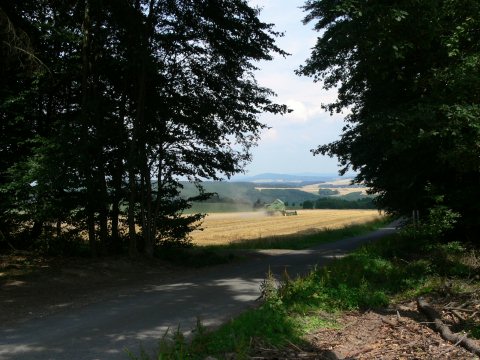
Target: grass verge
[393, 269]
[201, 256]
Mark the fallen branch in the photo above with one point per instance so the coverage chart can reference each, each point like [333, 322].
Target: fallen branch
[457, 314]
[444, 330]
[459, 309]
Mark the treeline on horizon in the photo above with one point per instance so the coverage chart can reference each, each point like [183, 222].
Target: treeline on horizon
[333, 203]
[101, 99]
[247, 196]
[320, 203]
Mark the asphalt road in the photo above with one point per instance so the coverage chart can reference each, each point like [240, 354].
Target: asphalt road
[104, 330]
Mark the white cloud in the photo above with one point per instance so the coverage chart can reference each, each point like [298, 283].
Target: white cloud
[285, 147]
[302, 111]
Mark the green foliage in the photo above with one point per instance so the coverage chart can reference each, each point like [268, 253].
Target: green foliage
[439, 221]
[370, 277]
[307, 204]
[475, 332]
[170, 347]
[334, 203]
[339, 203]
[397, 267]
[327, 192]
[411, 79]
[67, 244]
[267, 323]
[235, 337]
[105, 107]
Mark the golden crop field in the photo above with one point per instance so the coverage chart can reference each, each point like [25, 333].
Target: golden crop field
[223, 228]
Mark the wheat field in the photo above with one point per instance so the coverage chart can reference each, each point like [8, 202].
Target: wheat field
[224, 228]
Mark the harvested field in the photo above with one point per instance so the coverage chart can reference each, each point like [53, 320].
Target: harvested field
[223, 228]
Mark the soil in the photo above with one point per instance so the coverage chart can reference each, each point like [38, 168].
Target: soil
[398, 333]
[36, 287]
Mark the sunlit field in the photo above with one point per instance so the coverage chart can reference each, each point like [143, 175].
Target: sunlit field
[224, 228]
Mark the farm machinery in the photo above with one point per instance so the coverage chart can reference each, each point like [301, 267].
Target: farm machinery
[278, 207]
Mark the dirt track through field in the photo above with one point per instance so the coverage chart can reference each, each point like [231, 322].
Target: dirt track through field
[223, 228]
[139, 318]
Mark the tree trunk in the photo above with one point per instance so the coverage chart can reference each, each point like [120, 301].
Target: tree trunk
[444, 330]
[114, 216]
[59, 228]
[148, 217]
[117, 176]
[140, 132]
[132, 234]
[115, 222]
[36, 230]
[86, 66]
[103, 211]
[92, 241]
[149, 233]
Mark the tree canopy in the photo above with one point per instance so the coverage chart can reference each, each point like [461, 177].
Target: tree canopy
[106, 105]
[408, 75]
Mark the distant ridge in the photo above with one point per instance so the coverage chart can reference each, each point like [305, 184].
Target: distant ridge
[285, 178]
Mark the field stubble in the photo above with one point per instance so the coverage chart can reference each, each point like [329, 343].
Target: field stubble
[225, 228]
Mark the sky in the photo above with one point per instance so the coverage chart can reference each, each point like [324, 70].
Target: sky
[285, 147]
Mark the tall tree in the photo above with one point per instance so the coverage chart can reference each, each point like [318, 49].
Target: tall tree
[196, 99]
[402, 69]
[138, 95]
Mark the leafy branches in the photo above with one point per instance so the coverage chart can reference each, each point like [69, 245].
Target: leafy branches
[141, 94]
[408, 72]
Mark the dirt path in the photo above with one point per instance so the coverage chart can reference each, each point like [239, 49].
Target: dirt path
[126, 318]
[96, 310]
[34, 287]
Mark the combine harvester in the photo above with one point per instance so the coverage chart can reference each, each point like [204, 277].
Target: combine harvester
[278, 207]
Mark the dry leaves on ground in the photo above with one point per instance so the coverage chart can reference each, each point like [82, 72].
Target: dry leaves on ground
[393, 334]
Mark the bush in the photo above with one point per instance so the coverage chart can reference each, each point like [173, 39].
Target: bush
[327, 192]
[439, 221]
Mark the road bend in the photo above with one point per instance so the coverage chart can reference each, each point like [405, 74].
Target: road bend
[139, 319]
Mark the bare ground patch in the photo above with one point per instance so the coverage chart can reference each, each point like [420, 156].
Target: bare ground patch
[400, 332]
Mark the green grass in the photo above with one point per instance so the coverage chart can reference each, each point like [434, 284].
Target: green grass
[392, 269]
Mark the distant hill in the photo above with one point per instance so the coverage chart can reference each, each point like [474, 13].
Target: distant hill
[251, 192]
[273, 178]
[246, 192]
[234, 191]
[298, 191]
[294, 189]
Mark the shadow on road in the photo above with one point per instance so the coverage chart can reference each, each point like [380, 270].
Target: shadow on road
[103, 330]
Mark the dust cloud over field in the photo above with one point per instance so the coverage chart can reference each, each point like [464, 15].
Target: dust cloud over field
[223, 228]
